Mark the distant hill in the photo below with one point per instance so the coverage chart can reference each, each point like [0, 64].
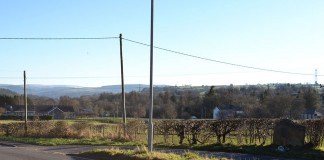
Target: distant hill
[55, 91]
[7, 92]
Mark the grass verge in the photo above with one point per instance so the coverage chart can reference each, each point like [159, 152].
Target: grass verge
[305, 152]
[301, 152]
[139, 154]
[64, 141]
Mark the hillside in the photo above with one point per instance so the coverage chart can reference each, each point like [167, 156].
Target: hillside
[7, 92]
[55, 91]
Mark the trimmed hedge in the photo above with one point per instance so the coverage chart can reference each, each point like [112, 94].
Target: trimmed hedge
[15, 117]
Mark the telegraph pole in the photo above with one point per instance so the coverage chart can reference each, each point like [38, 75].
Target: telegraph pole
[316, 84]
[150, 134]
[122, 82]
[25, 100]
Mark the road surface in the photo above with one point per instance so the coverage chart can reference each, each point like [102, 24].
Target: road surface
[18, 153]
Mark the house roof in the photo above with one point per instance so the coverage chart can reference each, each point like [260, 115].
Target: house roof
[19, 108]
[54, 109]
[87, 110]
[311, 111]
[41, 108]
[66, 108]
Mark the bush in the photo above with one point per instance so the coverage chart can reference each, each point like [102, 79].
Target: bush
[314, 132]
[134, 128]
[61, 130]
[10, 117]
[79, 128]
[46, 117]
[13, 129]
[16, 117]
[39, 129]
[191, 132]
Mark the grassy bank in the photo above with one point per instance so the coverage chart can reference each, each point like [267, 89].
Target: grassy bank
[302, 152]
[305, 152]
[65, 141]
[140, 154]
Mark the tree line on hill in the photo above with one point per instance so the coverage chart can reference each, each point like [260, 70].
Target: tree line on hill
[257, 101]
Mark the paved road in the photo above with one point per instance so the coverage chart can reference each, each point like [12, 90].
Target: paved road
[19, 151]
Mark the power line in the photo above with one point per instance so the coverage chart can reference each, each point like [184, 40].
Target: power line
[69, 77]
[160, 48]
[11, 77]
[134, 76]
[222, 62]
[116, 76]
[56, 38]
[59, 77]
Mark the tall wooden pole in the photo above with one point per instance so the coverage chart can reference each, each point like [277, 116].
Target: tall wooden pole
[25, 100]
[122, 82]
[150, 134]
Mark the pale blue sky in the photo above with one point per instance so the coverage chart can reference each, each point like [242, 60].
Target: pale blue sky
[284, 35]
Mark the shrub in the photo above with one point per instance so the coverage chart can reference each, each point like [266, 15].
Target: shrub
[16, 117]
[314, 132]
[14, 129]
[45, 117]
[80, 129]
[60, 130]
[10, 117]
[133, 128]
[40, 129]
[165, 128]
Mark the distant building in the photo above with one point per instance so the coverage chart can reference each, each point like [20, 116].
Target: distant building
[311, 113]
[57, 112]
[216, 113]
[87, 112]
[221, 112]
[62, 112]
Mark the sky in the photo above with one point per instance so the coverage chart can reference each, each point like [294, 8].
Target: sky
[281, 35]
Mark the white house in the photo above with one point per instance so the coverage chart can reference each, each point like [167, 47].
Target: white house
[216, 113]
[227, 112]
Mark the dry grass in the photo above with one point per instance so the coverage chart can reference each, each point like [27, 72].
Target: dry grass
[140, 153]
[61, 129]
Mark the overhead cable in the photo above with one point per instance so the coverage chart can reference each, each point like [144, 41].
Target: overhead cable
[56, 38]
[160, 48]
[222, 62]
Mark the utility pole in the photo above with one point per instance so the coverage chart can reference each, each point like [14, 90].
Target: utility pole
[116, 112]
[150, 134]
[122, 82]
[316, 84]
[25, 100]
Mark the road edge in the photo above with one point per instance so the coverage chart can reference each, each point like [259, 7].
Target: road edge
[7, 144]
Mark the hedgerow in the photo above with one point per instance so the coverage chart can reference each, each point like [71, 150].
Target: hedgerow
[190, 132]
